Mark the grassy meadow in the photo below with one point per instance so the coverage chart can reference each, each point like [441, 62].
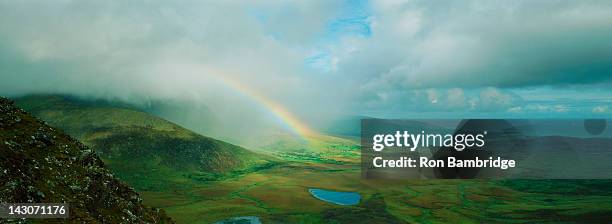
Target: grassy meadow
[197, 179]
[280, 195]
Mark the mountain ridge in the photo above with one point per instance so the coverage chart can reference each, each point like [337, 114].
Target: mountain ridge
[141, 148]
[41, 164]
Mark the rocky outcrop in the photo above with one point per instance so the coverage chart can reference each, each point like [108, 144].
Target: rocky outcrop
[40, 164]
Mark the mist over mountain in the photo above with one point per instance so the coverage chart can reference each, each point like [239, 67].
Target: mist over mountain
[320, 61]
[141, 148]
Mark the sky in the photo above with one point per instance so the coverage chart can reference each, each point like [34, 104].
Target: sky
[320, 60]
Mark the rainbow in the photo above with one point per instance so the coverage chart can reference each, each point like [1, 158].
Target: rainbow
[277, 110]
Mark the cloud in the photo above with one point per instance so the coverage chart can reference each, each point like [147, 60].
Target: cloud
[318, 59]
[492, 99]
[600, 109]
[456, 97]
[143, 52]
[430, 44]
[453, 100]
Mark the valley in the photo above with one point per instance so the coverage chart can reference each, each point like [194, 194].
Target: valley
[197, 179]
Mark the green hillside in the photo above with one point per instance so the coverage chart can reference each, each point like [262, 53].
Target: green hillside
[147, 151]
[201, 180]
[41, 164]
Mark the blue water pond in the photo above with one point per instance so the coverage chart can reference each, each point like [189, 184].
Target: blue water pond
[241, 220]
[336, 197]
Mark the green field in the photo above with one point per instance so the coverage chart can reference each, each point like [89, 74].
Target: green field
[280, 194]
[197, 179]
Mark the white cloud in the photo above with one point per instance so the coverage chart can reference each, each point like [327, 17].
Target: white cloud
[163, 50]
[600, 109]
[430, 44]
[517, 109]
[455, 56]
[561, 108]
[456, 97]
[492, 99]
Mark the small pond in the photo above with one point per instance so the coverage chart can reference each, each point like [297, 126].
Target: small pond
[336, 197]
[241, 220]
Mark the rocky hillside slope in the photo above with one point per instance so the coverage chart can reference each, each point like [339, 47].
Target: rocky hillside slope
[41, 164]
